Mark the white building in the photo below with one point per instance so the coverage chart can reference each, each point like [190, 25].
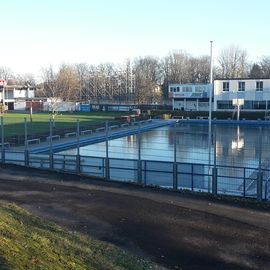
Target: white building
[9, 94]
[255, 94]
[58, 105]
[190, 97]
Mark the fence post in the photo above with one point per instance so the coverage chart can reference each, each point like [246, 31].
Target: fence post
[26, 152]
[139, 163]
[145, 172]
[259, 185]
[209, 155]
[215, 146]
[175, 184]
[2, 140]
[260, 173]
[244, 183]
[51, 148]
[107, 162]
[214, 181]
[266, 189]
[192, 177]
[78, 165]
[214, 170]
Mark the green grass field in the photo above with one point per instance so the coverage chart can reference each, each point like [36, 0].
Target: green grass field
[14, 122]
[28, 242]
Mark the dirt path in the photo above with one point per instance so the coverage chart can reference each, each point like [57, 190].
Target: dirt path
[175, 230]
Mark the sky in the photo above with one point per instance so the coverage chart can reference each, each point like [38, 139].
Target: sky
[39, 33]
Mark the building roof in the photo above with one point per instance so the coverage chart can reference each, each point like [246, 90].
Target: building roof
[20, 87]
[188, 83]
[239, 79]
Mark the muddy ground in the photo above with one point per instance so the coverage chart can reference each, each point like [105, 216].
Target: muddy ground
[176, 230]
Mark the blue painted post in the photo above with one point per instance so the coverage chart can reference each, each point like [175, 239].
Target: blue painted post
[266, 190]
[175, 182]
[51, 148]
[2, 140]
[78, 161]
[139, 164]
[214, 181]
[214, 170]
[192, 177]
[260, 173]
[107, 162]
[26, 152]
[244, 184]
[145, 172]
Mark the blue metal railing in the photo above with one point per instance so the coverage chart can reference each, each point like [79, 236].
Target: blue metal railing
[230, 180]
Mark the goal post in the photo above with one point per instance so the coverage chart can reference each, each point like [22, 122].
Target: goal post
[237, 102]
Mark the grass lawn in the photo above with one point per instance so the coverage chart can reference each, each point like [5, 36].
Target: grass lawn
[14, 122]
[28, 242]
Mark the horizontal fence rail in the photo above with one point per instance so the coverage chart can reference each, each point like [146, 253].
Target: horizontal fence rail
[230, 160]
[189, 176]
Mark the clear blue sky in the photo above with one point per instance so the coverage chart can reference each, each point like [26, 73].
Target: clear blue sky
[37, 33]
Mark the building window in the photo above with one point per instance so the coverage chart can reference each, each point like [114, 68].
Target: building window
[259, 105]
[178, 89]
[187, 89]
[259, 86]
[241, 86]
[226, 86]
[225, 105]
[200, 89]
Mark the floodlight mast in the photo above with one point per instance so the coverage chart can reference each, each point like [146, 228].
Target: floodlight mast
[211, 83]
[210, 112]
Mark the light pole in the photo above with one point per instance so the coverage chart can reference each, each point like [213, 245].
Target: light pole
[3, 83]
[119, 90]
[210, 112]
[211, 83]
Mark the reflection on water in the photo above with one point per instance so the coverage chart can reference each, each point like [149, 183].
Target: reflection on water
[236, 146]
[239, 142]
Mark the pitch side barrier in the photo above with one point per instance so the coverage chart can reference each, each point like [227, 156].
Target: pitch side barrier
[101, 137]
[195, 177]
[226, 122]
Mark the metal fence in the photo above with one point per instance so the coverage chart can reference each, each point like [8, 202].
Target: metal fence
[235, 162]
[190, 176]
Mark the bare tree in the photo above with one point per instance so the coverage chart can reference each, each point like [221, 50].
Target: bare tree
[82, 72]
[178, 63]
[50, 88]
[68, 83]
[179, 67]
[26, 79]
[203, 69]
[6, 74]
[265, 66]
[233, 62]
[127, 80]
[147, 79]
[256, 72]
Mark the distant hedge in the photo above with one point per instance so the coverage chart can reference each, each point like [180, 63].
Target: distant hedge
[219, 115]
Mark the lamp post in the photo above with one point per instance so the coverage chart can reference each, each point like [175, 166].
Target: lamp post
[119, 90]
[210, 112]
[211, 83]
[3, 83]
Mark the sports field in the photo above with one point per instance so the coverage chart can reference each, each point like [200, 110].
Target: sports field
[14, 122]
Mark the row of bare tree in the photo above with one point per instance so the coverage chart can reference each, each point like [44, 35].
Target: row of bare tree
[144, 80]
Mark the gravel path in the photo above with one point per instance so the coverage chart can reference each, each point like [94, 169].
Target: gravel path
[176, 230]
